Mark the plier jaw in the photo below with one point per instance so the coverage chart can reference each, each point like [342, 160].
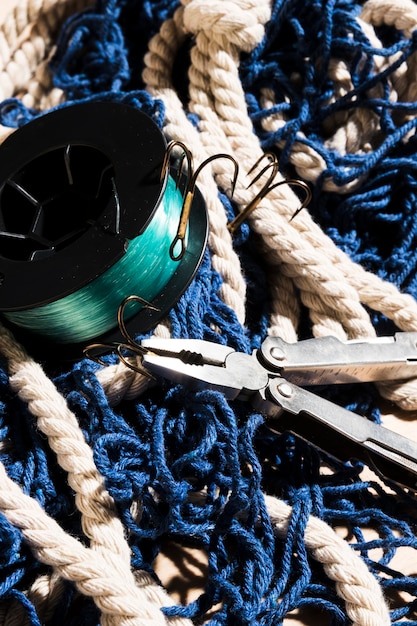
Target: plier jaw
[220, 368]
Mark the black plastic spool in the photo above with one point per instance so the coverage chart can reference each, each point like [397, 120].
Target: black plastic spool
[51, 251]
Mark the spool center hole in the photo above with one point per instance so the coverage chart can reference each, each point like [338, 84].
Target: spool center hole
[52, 201]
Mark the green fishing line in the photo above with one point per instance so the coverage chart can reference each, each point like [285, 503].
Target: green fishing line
[144, 270]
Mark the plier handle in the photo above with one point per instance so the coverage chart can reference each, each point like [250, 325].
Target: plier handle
[271, 378]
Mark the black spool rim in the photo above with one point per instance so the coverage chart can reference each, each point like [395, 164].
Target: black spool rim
[144, 320]
[107, 248]
[135, 147]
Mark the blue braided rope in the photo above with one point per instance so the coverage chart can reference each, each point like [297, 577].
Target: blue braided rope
[198, 464]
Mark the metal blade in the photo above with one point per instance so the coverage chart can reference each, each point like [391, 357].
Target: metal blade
[374, 440]
[327, 360]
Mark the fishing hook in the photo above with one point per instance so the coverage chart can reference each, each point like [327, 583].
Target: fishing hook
[266, 189]
[190, 191]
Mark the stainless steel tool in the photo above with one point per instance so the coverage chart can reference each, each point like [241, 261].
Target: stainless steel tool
[273, 380]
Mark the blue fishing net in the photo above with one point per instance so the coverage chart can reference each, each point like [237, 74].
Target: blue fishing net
[199, 464]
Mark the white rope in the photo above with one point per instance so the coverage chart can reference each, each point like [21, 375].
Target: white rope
[120, 603]
[365, 603]
[157, 76]
[27, 38]
[303, 266]
[333, 288]
[100, 522]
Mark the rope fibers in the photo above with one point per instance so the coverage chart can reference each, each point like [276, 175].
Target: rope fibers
[101, 468]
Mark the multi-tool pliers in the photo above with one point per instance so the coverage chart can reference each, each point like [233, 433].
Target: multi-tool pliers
[273, 378]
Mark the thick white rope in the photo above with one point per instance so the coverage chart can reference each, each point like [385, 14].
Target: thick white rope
[216, 55]
[157, 76]
[211, 134]
[315, 265]
[365, 603]
[97, 572]
[100, 522]
[86, 566]
[26, 41]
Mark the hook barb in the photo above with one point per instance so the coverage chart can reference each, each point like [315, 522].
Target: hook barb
[307, 199]
[121, 315]
[95, 351]
[268, 186]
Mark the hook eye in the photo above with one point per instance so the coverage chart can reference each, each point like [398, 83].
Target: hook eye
[179, 240]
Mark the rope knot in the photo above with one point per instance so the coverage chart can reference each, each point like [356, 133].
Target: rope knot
[241, 22]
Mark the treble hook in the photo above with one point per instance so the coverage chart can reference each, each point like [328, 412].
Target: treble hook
[129, 345]
[266, 189]
[121, 317]
[190, 191]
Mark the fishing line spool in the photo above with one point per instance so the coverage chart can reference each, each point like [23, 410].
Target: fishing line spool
[85, 221]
